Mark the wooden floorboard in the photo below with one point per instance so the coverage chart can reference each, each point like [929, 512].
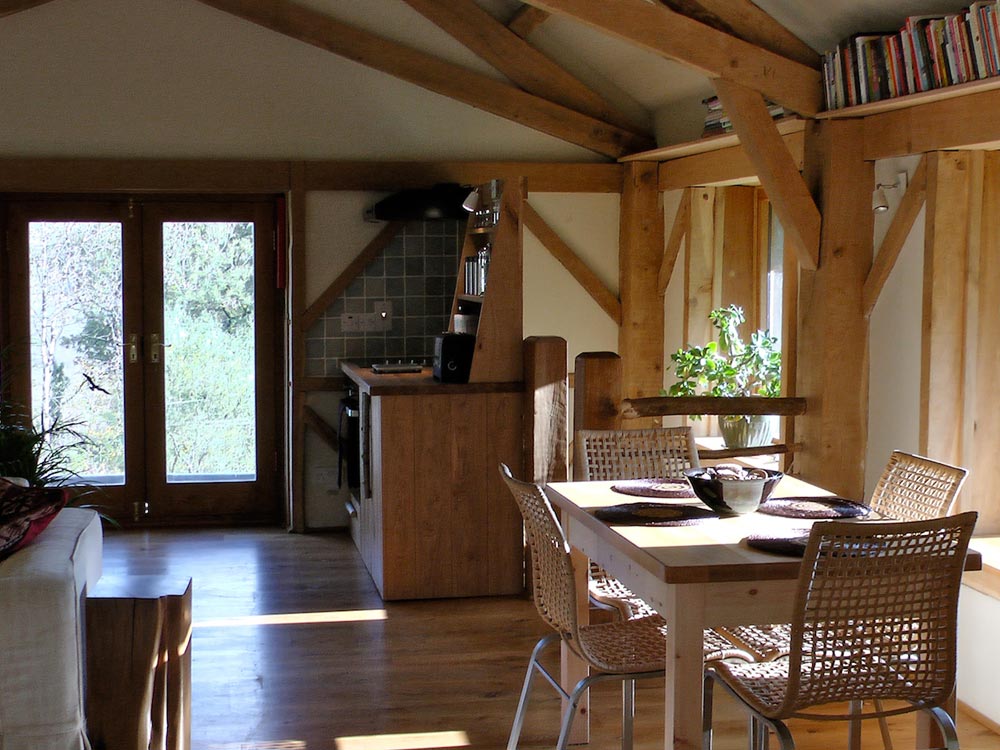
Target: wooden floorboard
[431, 674]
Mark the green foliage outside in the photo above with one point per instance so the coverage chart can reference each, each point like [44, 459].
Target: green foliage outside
[79, 345]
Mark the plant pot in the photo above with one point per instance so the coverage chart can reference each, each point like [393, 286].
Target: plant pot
[745, 431]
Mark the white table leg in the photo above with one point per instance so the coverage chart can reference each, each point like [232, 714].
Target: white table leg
[572, 668]
[685, 666]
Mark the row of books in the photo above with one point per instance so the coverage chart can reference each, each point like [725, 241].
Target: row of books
[928, 52]
[717, 121]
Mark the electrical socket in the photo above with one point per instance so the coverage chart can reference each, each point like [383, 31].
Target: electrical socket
[380, 319]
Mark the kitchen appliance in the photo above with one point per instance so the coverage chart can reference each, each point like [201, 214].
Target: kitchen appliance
[453, 357]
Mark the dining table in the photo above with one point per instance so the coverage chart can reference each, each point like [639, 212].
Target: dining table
[696, 575]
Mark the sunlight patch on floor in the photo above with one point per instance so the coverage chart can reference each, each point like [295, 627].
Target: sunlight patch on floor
[295, 618]
[415, 741]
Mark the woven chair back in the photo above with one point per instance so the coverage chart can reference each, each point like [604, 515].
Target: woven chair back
[876, 613]
[913, 488]
[603, 455]
[554, 586]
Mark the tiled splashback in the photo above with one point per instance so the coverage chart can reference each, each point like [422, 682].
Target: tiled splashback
[416, 273]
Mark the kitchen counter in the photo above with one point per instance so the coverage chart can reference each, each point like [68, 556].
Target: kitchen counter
[416, 383]
[433, 518]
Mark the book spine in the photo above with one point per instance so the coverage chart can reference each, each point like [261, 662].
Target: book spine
[862, 68]
[977, 40]
[909, 63]
[993, 16]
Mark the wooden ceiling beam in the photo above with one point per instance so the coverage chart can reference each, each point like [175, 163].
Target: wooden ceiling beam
[519, 61]
[719, 55]
[743, 19]
[10, 7]
[727, 166]
[307, 25]
[526, 19]
[775, 167]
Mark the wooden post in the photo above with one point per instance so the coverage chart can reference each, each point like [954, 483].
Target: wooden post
[946, 257]
[640, 253]
[546, 395]
[597, 396]
[833, 349]
[739, 267]
[983, 485]
[597, 401]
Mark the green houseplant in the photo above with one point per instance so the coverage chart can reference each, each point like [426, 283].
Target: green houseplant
[732, 367]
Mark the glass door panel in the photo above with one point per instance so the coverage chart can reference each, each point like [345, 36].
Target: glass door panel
[77, 344]
[209, 351]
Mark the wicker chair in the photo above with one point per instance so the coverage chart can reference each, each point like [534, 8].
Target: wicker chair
[875, 618]
[911, 488]
[624, 650]
[603, 455]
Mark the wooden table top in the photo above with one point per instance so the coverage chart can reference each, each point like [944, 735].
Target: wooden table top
[709, 551]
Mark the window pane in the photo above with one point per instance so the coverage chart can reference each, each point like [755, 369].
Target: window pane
[76, 345]
[208, 312]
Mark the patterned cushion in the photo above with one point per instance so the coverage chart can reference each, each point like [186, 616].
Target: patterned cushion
[25, 512]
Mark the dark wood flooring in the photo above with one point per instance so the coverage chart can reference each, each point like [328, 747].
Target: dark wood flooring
[294, 650]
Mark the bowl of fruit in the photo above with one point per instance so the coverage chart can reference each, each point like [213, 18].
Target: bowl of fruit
[732, 490]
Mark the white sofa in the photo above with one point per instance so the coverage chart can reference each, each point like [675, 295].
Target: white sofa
[42, 590]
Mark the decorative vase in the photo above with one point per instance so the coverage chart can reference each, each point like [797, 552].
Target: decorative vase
[745, 431]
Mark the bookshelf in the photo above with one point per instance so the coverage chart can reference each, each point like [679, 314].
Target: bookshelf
[930, 58]
[912, 100]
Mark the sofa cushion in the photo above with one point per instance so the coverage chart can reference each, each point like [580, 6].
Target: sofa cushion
[41, 634]
[25, 512]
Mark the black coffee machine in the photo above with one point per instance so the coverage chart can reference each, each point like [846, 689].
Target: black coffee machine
[453, 357]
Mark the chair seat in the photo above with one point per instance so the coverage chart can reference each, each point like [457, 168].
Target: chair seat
[762, 642]
[637, 645]
[764, 685]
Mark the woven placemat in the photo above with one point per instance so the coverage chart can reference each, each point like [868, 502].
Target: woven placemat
[653, 514]
[676, 488]
[813, 507]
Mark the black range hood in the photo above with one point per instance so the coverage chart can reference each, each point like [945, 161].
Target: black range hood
[438, 203]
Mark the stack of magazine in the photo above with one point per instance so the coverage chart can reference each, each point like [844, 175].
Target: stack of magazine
[717, 122]
[928, 52]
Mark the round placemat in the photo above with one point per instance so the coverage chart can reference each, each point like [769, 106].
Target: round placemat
[813, 507]
[679, 488]
[653, 514]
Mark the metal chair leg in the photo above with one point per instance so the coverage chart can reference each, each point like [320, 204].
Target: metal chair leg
[522, 703]
[570, 714]
[883, 727]
[706, 711]
[628, 713]
[947, 726]
[854, 726]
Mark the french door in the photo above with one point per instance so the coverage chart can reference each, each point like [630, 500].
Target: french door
[145, 331]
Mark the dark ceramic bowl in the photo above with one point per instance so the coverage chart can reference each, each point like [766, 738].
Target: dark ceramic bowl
[732, 497]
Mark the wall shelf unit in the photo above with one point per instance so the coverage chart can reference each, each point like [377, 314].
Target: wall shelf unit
[498, 356]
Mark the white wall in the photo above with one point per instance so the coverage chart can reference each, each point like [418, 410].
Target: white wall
[147, 78]
[554, 303]
[894, 339]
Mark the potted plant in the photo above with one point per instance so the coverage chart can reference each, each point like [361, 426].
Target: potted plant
[732, 367]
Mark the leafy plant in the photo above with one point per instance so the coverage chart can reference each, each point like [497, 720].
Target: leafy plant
[729, 366]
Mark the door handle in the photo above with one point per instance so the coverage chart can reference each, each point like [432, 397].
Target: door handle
[154, 348]
[132, 348]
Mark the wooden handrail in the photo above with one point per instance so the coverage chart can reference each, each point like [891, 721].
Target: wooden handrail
[753, 450]
[662, 406]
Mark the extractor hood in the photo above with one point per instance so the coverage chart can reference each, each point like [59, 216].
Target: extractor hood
[438, 203]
